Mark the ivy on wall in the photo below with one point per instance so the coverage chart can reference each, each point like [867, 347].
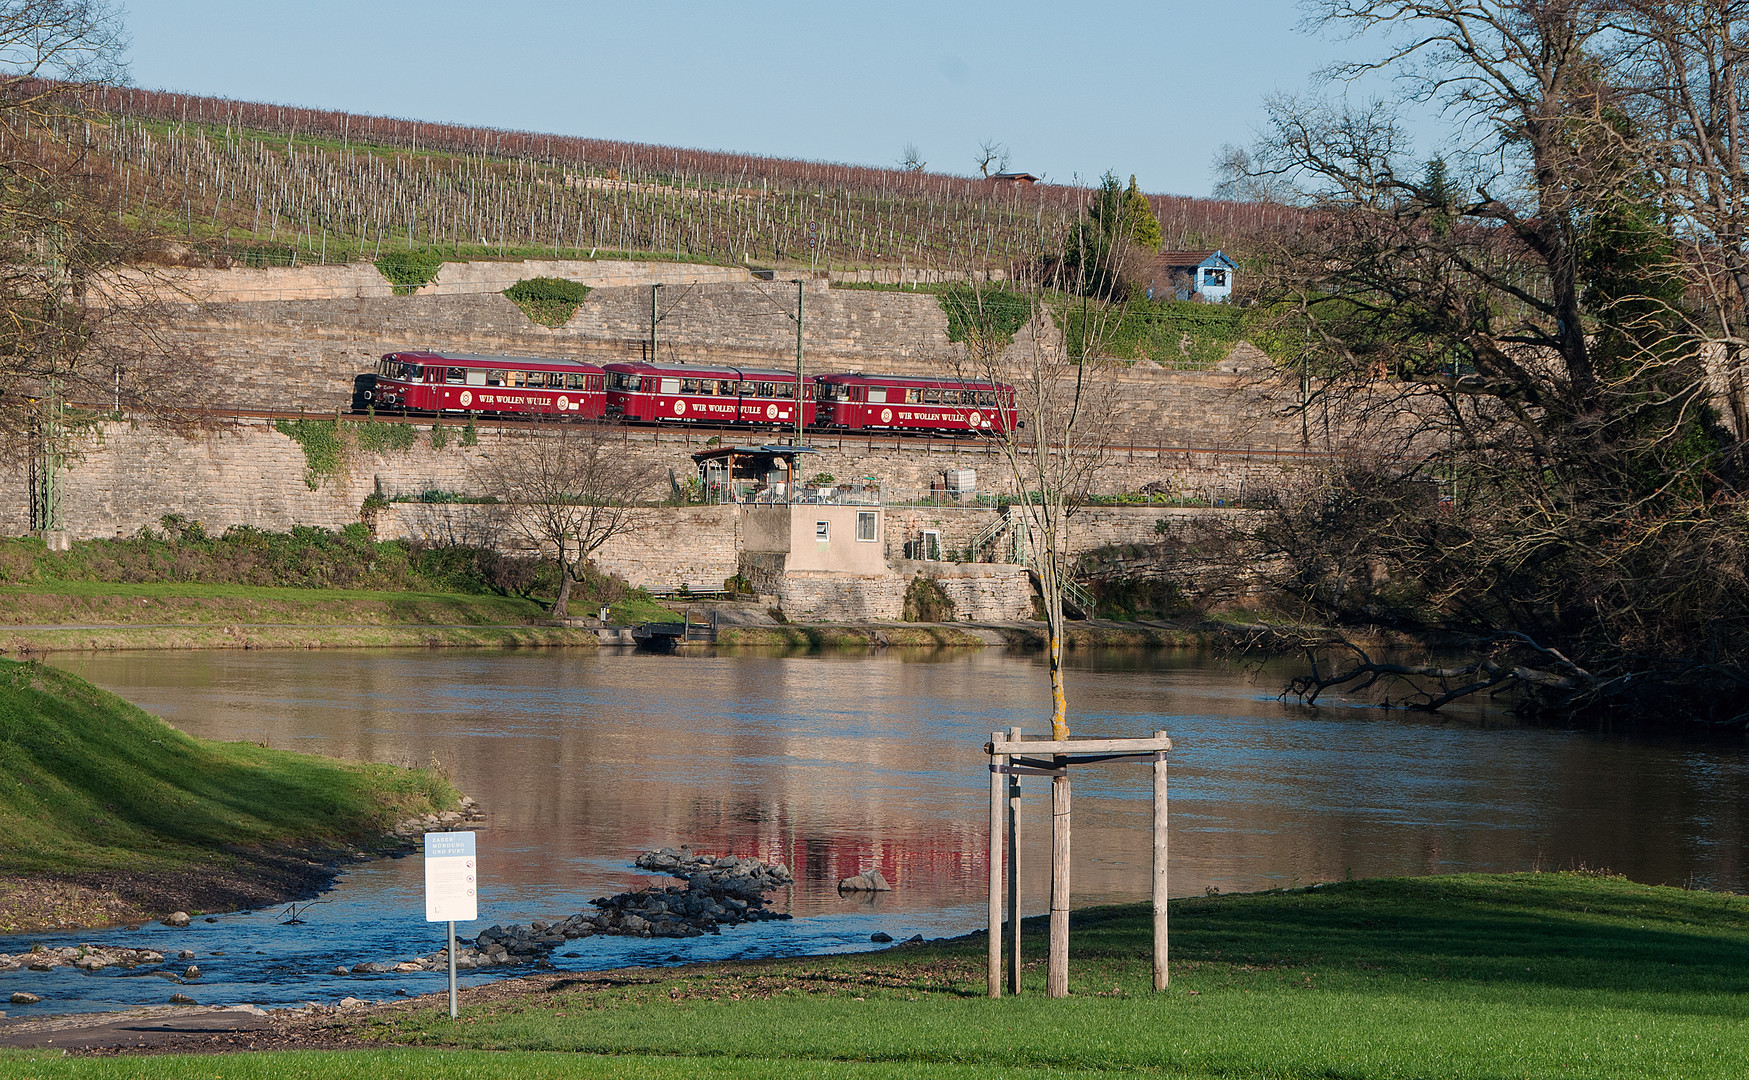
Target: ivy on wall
[328, 444]
[983, 314]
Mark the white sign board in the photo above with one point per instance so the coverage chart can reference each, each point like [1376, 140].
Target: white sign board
[450, 877]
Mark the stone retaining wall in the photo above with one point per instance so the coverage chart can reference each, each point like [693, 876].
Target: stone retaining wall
[247, 473]
[298, 338]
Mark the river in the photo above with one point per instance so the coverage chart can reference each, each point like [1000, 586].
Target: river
[840, 761]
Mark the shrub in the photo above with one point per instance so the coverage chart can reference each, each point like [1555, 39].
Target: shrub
[407, 270]
[439, 437]
[927, 601]
[547, 301]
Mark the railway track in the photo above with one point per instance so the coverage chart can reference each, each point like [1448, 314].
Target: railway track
[699, 434]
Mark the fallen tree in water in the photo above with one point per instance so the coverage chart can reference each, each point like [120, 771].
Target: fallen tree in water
[1541, 680]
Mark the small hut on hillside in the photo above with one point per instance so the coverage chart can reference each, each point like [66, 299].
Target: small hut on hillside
[1183, 275]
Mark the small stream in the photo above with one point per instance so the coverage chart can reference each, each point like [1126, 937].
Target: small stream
[835, 763]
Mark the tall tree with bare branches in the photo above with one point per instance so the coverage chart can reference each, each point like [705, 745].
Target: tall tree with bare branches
[1044, 334]
[1529, 305]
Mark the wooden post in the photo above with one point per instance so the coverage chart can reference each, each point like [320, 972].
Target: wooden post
[997, 760]
[1160, 973]
[1057, 968]
[1014, 873]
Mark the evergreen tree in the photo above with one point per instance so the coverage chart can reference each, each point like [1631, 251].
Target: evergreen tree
[1138, 217]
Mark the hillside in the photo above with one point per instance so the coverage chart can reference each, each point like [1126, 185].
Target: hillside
[108, 813]
[264, 185]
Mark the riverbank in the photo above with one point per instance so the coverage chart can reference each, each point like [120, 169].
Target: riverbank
[110, 815]
[81, 615]
[1573, 975]
[87, 615]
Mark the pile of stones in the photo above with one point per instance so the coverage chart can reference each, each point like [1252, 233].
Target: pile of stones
[719, 891]
[83, 957]
[410, 832]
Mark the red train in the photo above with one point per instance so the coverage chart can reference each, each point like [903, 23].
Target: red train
[696, 394]
[860, 402]
[456, 382]
[717, 395]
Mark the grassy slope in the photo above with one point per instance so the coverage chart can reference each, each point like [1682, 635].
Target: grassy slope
[91, 784]
[1465, 976]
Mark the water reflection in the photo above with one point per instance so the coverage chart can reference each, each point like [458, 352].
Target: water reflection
[835, 763]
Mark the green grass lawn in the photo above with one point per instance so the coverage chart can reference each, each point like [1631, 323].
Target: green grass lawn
[1535, 975]
[90, 784]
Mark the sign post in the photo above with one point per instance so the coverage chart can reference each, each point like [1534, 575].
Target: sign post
[450, 888]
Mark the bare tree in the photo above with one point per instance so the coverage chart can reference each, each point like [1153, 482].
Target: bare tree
[911, 159]
[992, 157]
[565, 491]
[1683, 65]
[54, 240]
[1045, 336]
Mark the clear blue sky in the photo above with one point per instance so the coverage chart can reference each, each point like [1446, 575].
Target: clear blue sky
[1146, 88]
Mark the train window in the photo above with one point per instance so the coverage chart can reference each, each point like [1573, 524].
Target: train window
[950, 397]
[494, 377]
[455, 375]
[595, 382]
[670, 386]
[912, 396]
[518, 378]
[687, 386]
[784, 390]
[573, 380]
[877, 394]
[987, 398]
[932, 397]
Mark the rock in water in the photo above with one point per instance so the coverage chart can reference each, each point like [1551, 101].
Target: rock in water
[192, 972]
[176, 918]
[880, 937]
[22, 998]
[867, 881]
[182, 999]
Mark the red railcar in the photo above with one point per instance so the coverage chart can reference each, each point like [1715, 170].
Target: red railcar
[704, 394]
[907, 403]
[456, 382]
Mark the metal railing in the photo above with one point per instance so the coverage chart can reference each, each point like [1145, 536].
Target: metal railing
[754, 493]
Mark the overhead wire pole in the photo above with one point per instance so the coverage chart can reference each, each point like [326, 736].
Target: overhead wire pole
[654, 290]
[801, 402]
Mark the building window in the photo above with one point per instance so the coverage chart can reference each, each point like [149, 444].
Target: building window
[865, 525]
[822, 530]
[1214, 277]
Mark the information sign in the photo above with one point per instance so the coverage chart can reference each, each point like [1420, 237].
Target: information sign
[451, 875]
